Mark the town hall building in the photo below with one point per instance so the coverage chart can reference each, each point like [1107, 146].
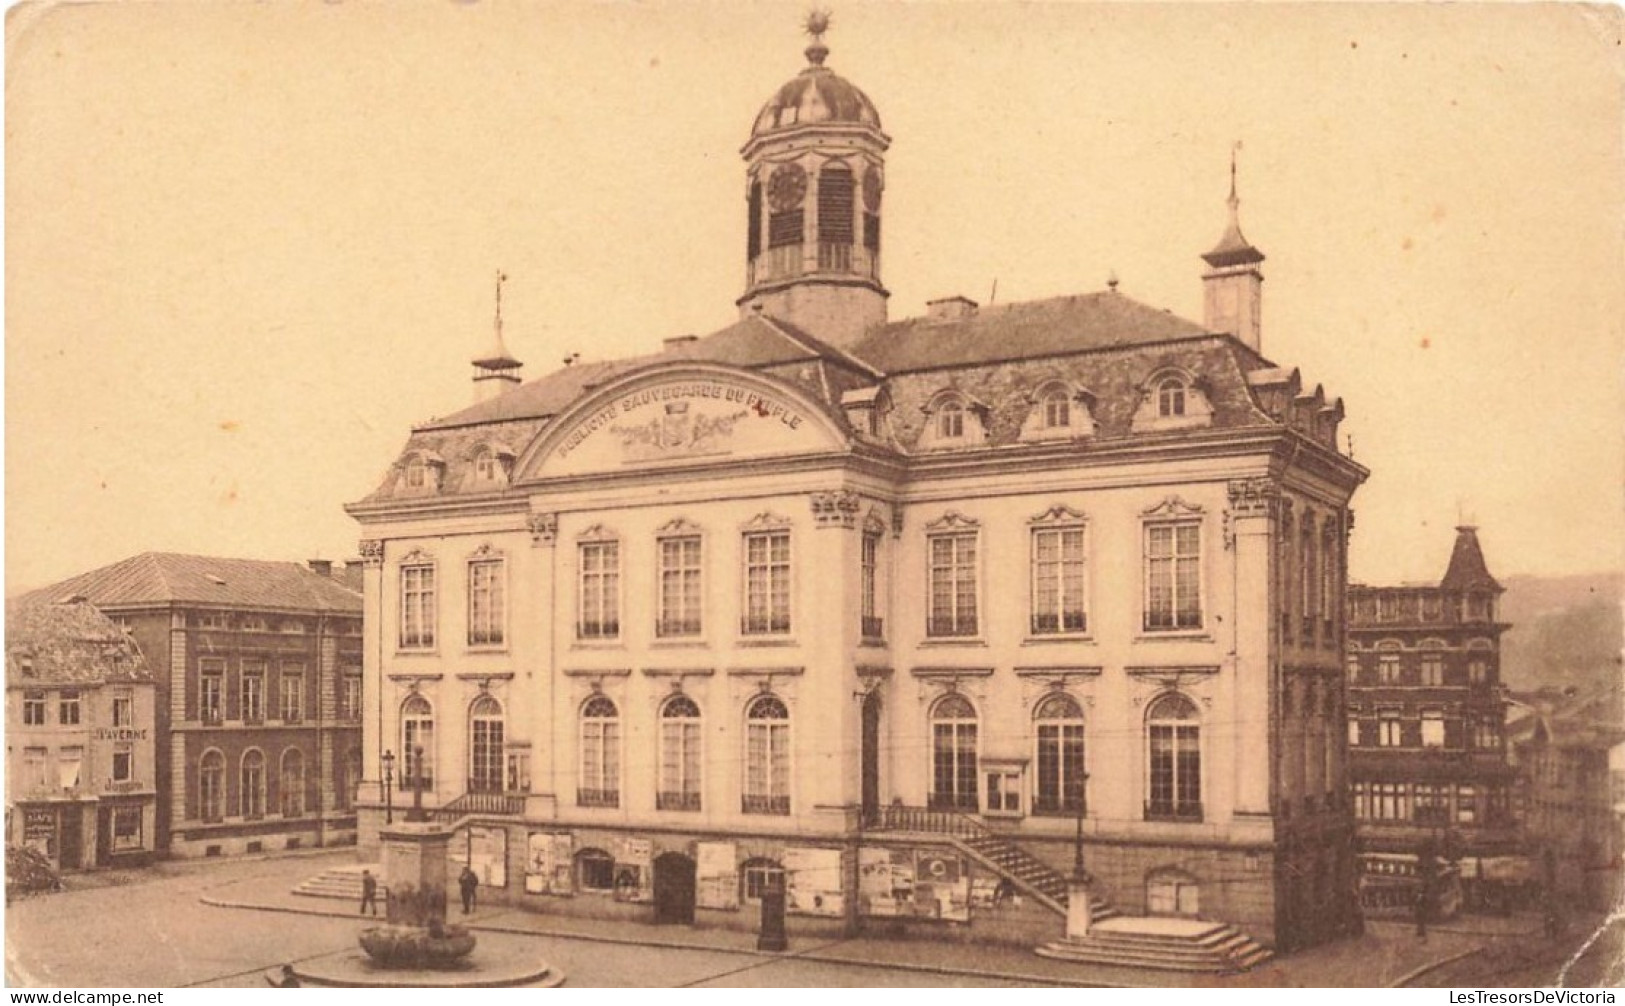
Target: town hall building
[902, 618]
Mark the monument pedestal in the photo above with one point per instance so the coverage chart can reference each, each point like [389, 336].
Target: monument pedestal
[1078, 910]
[414, 868]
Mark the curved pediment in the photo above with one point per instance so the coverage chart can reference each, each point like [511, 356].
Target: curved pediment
[694, 414]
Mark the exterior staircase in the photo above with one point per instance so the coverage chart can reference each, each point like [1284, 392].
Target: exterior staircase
[1163, 944]
[342, 883]
[991, 851]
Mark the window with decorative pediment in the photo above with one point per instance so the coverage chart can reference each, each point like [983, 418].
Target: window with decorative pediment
[766, 555]
[953, 419]
[952, 575]
[1058, 576]
[1173, 567]
[421, 472]
[418, 600]
[487, 599]
[489, 464]
[681, 579]
[599, 601]
[1058, 410]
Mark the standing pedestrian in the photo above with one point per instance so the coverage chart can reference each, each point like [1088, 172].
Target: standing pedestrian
[1422, 913]
[467, 882]
[369, 892]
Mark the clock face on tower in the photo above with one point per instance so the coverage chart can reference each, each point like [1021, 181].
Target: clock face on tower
[787, 187]
[871, 190]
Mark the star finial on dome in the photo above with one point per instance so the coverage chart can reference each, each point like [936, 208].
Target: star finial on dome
[815, 24]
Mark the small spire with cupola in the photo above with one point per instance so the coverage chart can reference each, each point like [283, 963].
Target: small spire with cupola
[815, 170]
[495, 371]
[1232, 301]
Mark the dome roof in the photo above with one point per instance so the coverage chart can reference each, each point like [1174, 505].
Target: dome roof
[816, 94]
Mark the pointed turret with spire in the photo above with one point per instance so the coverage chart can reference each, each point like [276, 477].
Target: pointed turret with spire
[1233, 285]
[495, 370]
[1468, 572]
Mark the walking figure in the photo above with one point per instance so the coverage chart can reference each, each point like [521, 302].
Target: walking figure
[369, 892]
[467, 882]
[1422, 913]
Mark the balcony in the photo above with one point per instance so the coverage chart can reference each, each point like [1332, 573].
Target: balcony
[1189, 812]
[677, 801]
[965, 802]
[598, 797]
[212, 717]
[1049, 806]
[675, 628]
[874, 627]
[939, 628]
[757, 804]
[603, 629]
[764, 625]
[1054, 623]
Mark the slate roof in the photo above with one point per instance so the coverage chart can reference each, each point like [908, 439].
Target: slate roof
[1021, 331]
[50, 642]
[1468, 570]
[161, 578]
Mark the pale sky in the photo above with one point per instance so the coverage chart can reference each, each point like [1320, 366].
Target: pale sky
[249, 245]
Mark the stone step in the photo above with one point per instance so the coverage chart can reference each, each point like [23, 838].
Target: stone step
[338, 882]
[1217, 949]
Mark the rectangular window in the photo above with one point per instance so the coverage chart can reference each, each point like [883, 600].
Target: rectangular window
[34, 775]
[1432, 729]
[869, 587]
[1388, 669]
[68, 709]
[123, 711]
[126, 828]
[254, 692]
[486, 604]
[350, 697]
[767, 583]
[1058, 580]
[600, 616]
[123, 763]
[1478, 671]
[1362, 800]
[70, 762]
[211, 694]
[1390, 801]
[1176, 782]
[1354, 732]
[1173, 597]
[417, 607]
[679, 587]
[1004, 791]
[211, 620]
[293, 693]
[1430, 804]
[1432, 669]
[1353, 665]
[1466, 805]
[952, 585]
[760, 878]
[33, 709]
[1388, 733]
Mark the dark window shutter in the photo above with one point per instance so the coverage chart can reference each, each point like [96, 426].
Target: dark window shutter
[835, 191]
[871, 231]
[753, 233]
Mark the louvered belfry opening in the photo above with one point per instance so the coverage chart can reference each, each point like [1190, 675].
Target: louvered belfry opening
[835, 218]
[753, 226]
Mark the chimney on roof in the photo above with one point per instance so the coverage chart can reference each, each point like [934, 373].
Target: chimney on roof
[950, 308]
[321, 567]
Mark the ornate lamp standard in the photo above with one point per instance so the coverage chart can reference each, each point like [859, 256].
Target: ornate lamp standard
[389, 779]
[1078, 909]
[416, 814]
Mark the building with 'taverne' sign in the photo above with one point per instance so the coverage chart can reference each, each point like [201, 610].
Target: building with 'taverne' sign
[886, 613]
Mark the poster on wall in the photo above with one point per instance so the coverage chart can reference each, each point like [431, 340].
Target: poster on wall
[547, 863]
[812, 882]
[941, 887]
[486, 851]
[634, 874]
[716, 875]
[909, 883]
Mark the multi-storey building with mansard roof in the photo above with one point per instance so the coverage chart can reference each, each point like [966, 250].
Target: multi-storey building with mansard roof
[889, 612]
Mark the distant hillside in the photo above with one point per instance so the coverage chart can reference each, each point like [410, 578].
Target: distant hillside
[1566, 630]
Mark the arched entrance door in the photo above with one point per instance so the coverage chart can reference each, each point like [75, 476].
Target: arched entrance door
[674, 889]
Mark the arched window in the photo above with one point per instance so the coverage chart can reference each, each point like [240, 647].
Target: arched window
[1060, 756]
[485, 729]
[1174, 760]
[291, 790]
[487, 466]
[417, 743]
[767, 757]
[253, 784]
[600, 784]
[595, 870]
[679, 755]
[1057, 407]
[757, 877]
[417, 474]
[1171, 397]
[953, 754]
[951, 421]
[836, 221]
[211, 786]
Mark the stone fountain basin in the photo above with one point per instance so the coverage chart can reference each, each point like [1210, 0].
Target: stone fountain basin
[414, 947]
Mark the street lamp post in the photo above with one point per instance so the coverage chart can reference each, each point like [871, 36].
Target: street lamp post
[416, 815]
[389, 779]
[1078, 909]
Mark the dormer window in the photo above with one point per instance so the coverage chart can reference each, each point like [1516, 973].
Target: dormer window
[951, 421]
[417, 474]
[1057, 408]
[1171, 397]
[486, 467]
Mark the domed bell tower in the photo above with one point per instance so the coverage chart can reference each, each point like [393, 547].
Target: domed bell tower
[815, 174]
